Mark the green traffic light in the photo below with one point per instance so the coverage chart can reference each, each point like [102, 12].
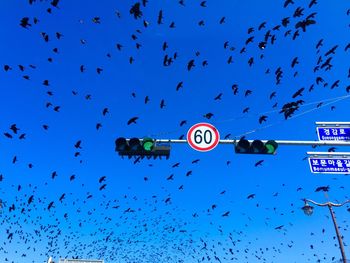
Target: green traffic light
[140, 148]
[148, 144]
[271, 146]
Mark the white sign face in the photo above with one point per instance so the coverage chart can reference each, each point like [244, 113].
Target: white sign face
[330, 165]
[203, 137]
[333, 133]
[80, 261]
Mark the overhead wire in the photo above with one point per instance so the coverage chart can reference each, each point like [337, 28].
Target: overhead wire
[330, 101]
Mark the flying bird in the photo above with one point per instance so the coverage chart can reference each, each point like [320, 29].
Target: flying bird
[226, 213]
[102, 179]
[251, 196]
[78, 144]
[222, 20]
[331, 51]
[132, 120]
[98, 126]
[322, 188]
[160, 17]
[162, 104]
[105, 111]
[135, 10]
[146, 99]
[8, 135]
[208, 115]
[287, 2]
[218, 97]
[304, 23]
[262, 119]
[14, 128]
[247, 93]
[25, 22]
[312, 2]
[190, 64]
[179, 85]
[183, 123]
[259, 163]
[298, 93]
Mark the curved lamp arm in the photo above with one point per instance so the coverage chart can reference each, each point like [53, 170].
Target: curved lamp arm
[326, 204]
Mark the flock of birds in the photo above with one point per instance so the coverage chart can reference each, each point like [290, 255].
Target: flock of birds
[149, 229]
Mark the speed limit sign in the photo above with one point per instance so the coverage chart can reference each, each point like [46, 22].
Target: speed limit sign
[203, 137]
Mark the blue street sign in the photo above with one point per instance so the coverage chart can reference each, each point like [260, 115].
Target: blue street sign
[329, 165]
[333, 133]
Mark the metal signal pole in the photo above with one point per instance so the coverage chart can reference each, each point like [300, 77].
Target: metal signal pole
[279, 142]
[308, 210]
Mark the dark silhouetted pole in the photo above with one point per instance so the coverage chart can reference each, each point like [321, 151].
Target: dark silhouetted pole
[308, 210]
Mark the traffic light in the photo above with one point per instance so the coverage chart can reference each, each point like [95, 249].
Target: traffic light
[146, 147]
[256, 147]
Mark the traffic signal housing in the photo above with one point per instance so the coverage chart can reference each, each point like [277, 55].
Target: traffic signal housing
[256, 147]
[146, 147]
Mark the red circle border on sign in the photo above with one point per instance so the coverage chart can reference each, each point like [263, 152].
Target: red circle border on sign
[216, 142]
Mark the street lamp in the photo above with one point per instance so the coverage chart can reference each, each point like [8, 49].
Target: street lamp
[308, 210]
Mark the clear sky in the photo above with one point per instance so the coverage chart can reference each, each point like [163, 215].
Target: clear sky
[78, 58]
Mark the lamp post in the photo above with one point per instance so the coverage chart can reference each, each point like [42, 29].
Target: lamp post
[308, 210]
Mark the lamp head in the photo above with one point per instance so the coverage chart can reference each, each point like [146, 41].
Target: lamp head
[308, 209]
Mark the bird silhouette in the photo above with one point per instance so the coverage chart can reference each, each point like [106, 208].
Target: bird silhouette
[259, 163]
[190, 64]
[178, 55]
[226, 213]
[160, 17]
[322, 188]
[262, 119]
[132, 120]
[251, 196]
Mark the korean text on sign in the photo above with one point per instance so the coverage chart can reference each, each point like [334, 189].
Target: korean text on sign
[333, 133]
[330, 165]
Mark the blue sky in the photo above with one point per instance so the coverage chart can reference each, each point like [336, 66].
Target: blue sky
[98, 223]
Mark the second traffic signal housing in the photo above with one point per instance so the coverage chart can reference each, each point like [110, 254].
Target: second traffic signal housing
[256, 147]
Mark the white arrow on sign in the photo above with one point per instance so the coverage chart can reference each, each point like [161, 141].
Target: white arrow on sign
[203, 137]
